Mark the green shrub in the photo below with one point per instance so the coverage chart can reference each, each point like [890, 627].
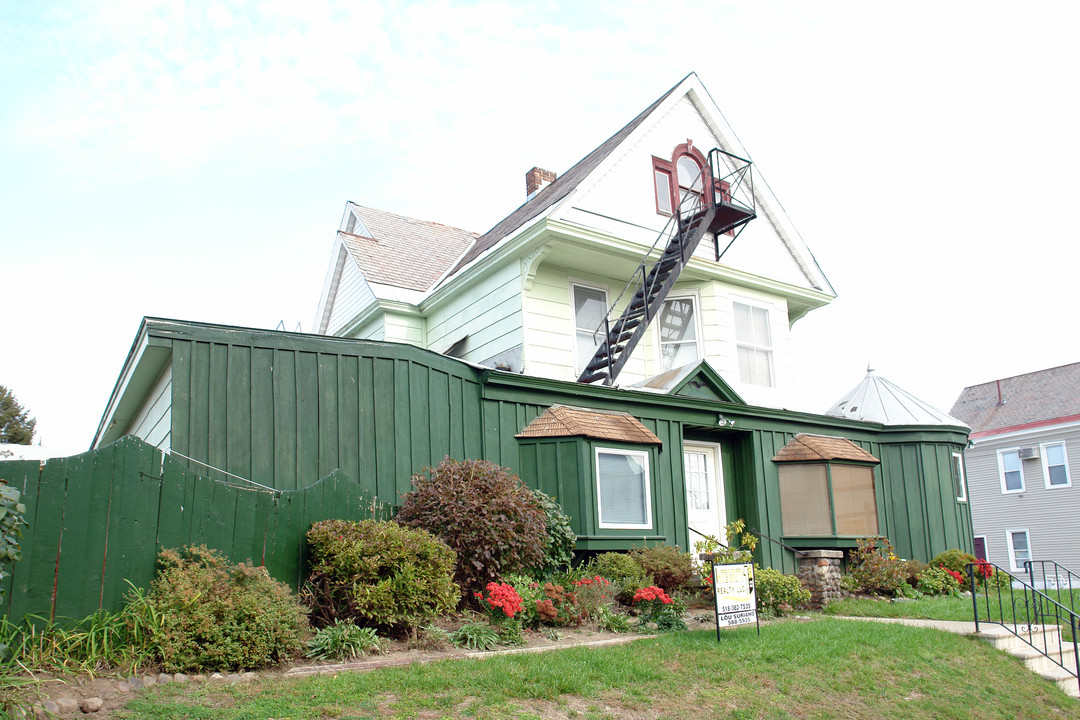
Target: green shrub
[530, 591]
[11, 525]
[626, 575]
[778, 593]
[669, 567]
[482, 511]
[561, 539]
[594, 595]
[877, 571]
[379, 573]
[343, 641]
[739, 549]
[955, 560]
[936, 580]
[475, 636]
[913, 569]
[219, 616]
[611, 621]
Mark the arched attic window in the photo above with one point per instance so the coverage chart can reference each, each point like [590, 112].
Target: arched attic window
[686, 173]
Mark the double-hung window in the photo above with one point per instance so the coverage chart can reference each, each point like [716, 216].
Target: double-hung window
[678, 335]
[1019, 543]
[754, 340]
[590, 307]
[1011, 469]
[1055, 465]
[622, 488]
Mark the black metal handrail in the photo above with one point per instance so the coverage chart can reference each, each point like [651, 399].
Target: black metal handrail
[1026, 612]
[1062, 578]
[763, 536]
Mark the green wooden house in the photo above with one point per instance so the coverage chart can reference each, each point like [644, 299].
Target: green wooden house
[628, 465]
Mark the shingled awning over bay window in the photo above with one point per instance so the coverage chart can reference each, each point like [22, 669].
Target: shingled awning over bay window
[569, 421]
[826, 487]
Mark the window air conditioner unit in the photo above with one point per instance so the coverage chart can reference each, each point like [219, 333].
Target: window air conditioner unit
[1029, 453]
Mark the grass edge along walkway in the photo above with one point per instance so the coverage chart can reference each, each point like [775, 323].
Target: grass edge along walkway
[823, 669]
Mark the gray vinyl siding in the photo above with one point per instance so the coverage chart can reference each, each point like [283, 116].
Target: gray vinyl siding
[1051, 516]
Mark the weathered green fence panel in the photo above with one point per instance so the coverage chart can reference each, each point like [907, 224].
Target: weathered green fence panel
[98, 519]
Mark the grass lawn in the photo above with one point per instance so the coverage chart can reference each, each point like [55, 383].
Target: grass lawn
[817, 669]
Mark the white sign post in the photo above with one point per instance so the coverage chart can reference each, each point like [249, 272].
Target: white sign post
[736, 595]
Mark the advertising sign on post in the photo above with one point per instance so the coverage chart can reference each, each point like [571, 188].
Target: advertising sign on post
[736, 595]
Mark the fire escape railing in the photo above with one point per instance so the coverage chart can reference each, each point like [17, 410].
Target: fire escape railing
[733, 206]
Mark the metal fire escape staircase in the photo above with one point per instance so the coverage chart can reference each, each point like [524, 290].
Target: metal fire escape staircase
[722, 207]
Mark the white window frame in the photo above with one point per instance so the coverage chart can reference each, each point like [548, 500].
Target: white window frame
[962, 497]
[1013, 565]
[1046, 464]
[1001, 471]
[771, 347]
[986, 546]
[643, 456]
[579, 363]
[695, 298]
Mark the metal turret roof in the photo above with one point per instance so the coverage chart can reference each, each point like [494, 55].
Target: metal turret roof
[877, 400]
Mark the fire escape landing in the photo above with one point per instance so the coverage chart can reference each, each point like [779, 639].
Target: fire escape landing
[723, 206]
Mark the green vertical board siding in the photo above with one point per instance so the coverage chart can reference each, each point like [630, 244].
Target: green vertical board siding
[180, 410]
[328, 414]
[307, 419]
[238, 412]
[263, 413]
[348, 437]
[438, 414]
[199, 430]
[217, 408]
[419, 428]
[401, 427]
[369, 455]
[99, 471]
[73, 559]
[286, 440]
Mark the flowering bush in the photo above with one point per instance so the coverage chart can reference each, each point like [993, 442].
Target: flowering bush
[938, 580]
[502, 602]
[656, 606]
[558, 607]
[593, 594]
[874, 570]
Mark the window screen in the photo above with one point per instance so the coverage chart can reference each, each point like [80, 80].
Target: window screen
[854, 500]
[804, 500]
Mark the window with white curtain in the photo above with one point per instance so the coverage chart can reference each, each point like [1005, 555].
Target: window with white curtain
[754, 340]
[622, 488]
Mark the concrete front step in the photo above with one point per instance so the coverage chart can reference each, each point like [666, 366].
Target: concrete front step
[1004, 638]
[1053, 660]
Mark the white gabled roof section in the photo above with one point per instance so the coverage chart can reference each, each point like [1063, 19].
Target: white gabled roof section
[768, 207]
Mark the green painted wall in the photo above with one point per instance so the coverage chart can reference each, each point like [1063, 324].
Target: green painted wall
[284, 410]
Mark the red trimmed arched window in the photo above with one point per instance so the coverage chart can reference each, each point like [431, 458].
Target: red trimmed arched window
[686, 173]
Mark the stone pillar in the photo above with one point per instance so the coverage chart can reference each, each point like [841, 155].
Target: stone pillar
[819, 572]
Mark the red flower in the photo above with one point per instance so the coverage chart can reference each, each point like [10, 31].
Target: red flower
[502, 596]
[652, 593]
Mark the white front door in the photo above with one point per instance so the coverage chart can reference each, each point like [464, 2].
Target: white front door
[705, 509]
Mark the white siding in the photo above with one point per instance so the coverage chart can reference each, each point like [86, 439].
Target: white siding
[1051, 516]
[153, 422]
[353, 295]
[489, 313]
[402, 328]
[627, 192]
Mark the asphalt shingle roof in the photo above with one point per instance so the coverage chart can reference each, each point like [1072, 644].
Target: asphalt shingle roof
[567, 421]
[1033, 397]
[404, 252]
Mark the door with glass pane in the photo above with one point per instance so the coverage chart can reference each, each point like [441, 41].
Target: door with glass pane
[705, 509]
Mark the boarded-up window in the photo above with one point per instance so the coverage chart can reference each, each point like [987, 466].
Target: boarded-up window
[854, 501]
[804, 500]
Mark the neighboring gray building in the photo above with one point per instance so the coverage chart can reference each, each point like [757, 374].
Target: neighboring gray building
[1023, 456]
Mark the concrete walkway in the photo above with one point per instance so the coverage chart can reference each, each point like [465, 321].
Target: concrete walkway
[1046, 665]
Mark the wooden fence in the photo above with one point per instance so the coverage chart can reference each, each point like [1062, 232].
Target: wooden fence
[96, 521]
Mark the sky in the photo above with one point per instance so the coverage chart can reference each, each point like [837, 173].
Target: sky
[192, 160]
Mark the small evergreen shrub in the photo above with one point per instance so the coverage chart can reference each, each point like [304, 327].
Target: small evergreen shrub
[343, 641]
[561, 538]
[669, 567]
[955, 560]
[219, 616]
[914, 569]
[777, 593]
[379, 573]
[482, 511]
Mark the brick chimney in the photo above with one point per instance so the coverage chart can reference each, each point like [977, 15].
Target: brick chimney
[536, 180]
